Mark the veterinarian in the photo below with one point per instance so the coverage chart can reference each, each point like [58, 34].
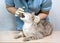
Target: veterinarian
[40, 7]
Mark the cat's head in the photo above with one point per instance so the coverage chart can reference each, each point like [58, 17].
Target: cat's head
[27, 17]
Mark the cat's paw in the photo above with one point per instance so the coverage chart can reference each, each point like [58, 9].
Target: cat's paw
[17, 36]
[26, 39]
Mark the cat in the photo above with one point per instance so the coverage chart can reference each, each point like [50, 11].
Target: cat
[32, 30]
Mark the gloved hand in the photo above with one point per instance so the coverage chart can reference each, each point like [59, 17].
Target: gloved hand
[36, 19]
[19, 12]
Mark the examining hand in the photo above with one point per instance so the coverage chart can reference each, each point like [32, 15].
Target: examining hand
[19, 12]
[36, 19]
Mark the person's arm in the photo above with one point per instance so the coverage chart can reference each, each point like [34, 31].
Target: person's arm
[10, 6]
[11, 9]
[43, 15]
[45, 8]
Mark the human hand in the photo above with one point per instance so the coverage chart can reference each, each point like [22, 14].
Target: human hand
[19, 12]
[36, 19]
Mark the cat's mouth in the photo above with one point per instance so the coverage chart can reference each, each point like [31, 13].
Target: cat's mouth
[22, 15]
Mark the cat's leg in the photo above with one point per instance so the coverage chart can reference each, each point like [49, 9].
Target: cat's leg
[19, 35]
[34, 37]
[49, 29]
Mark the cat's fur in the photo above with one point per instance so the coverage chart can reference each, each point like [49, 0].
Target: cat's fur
[33, 31]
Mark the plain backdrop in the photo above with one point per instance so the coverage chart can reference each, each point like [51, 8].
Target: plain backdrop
[7, 20]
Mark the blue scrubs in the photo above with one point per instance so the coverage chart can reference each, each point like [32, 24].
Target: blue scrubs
[30, 6]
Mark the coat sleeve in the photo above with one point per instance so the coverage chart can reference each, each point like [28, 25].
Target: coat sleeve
[9, 2]
[46, 5]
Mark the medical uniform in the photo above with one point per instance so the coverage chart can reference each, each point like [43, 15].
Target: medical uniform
[30, 6]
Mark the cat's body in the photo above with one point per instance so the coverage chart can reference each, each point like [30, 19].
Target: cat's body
[33, 31]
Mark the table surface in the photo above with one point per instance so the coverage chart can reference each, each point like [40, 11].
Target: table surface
[8, 36]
